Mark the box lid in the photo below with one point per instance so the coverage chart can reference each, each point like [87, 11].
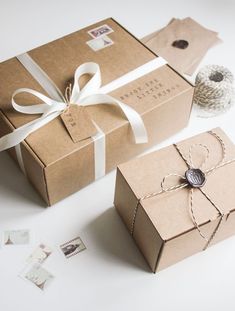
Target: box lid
[170, 212]
[59, 59]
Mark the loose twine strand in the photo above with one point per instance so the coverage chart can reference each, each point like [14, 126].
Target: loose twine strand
[190, 164]
[67, 96]
[214, 91]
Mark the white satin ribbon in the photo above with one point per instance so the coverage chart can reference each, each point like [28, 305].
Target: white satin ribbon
[99, 153]
[91, 94]
[41, 77]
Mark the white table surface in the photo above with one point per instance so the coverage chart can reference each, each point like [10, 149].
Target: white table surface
[111, 274]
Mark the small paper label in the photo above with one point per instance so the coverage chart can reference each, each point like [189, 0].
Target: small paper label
[37, 275]
[100, 31]
[14, 237]
[73, 247]
[78, 123]
[40, 254]
[100, 43]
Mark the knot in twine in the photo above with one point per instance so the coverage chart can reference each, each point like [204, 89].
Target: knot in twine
[67, 96]
[214, 92]
[194, 179]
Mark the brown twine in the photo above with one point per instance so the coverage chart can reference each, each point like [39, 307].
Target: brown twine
[184, 184]
[67, 96]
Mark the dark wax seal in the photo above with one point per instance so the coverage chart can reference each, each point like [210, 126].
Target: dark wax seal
[180, 44]
[195, 177]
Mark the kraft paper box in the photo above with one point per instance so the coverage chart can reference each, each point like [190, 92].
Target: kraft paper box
[54, 163]
[171, 225]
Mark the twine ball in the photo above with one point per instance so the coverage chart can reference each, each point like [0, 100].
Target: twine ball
[214, 90]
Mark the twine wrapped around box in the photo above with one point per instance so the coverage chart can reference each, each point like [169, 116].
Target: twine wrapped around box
[194, 178]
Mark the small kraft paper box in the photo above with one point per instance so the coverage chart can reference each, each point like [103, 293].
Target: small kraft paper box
[73, 136]
[179, 200]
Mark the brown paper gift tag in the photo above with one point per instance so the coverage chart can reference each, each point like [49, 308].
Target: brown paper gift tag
[78, 123]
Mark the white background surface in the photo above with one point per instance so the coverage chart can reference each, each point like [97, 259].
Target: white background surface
[111, 274]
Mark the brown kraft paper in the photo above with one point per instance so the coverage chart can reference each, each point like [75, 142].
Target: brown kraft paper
[164, 229]
[56, 165]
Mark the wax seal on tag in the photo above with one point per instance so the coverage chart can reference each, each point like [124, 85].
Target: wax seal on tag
[195, 177]
[78, 123]
[180, 44]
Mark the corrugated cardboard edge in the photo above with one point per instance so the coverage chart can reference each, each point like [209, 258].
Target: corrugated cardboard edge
[132, 194]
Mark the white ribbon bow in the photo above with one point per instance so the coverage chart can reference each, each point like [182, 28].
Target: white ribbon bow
[90, 94]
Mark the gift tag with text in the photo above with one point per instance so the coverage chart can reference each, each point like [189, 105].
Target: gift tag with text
[78, 123]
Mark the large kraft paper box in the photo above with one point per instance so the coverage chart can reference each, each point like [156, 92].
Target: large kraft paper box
[55, 165]
[163, 226]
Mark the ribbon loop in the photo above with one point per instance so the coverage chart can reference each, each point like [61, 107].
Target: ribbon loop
[38, 108]
[91, 87]
[51, 109]
[92, 93]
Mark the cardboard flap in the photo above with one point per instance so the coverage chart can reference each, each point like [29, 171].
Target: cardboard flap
[170, 212]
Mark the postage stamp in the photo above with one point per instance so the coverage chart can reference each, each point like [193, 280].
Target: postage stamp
[16, 237]
[72, 247]
[100, 43]
[40, 254]
[37, 275]
[100, 31]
